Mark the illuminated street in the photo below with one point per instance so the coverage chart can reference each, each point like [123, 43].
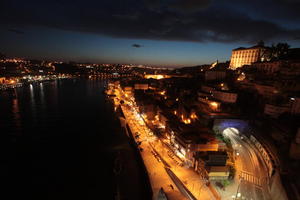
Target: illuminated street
[157, 174]
[153, 153]
[251, 171]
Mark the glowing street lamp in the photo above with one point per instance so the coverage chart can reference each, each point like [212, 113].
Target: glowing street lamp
[187, 121]
[163, 92]
[193, 116]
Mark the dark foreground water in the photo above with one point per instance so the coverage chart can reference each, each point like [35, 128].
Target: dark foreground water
[58, 140]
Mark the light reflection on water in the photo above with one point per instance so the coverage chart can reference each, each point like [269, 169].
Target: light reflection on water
[42, 93]
[16, 115]
[32, 103]
[56, 138]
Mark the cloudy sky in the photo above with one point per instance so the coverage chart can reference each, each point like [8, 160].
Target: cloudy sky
[158, 32]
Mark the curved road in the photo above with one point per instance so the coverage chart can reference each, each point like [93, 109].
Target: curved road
[250, 168]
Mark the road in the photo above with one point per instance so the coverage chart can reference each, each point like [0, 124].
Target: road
[156, 171]
[156, 158]
[251, 171]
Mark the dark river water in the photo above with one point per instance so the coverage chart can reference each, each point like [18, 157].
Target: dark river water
[58, 140]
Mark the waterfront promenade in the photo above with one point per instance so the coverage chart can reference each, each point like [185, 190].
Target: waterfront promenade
[161, 169]
[156, 171]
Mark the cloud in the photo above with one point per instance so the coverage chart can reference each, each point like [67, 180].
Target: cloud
[190, 5]
[173, 20]
[16, 31]
[137, 45]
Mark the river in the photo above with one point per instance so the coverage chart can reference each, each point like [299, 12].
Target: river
[59, 141]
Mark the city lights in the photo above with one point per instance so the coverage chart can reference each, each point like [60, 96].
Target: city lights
[177, 99]
[162, 92]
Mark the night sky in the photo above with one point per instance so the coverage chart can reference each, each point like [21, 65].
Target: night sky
[157, 32]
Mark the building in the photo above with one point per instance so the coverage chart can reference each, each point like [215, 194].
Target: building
[268, 67]
[2, 80]
[207, 89]
[216, 158]
[246, 56]
[141, 86]
[187, 140]
[163, 118]
[266, 90]
[214, 75]
[276, 110]
[225, 96]
[218, 172]
[146, 104]
[213, 106]
[292, 107]
[187, 114]
[211, 158]
[156, 76]
[128, 90]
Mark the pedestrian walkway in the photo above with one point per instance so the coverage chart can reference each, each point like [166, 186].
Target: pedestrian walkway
[156, 172]
[250, 178]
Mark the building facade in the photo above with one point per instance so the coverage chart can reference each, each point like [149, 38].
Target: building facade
[214, 75]
[245, 56]
[268, 67]
[276, 110]
[224, 96]
[141, 86]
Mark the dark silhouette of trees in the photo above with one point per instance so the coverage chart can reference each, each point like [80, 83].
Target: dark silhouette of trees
[279, 51]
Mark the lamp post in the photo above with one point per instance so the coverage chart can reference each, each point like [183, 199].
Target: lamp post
[237, 191]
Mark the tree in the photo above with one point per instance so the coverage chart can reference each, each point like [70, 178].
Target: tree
[279, 51]
[232, 172]
[225, 183]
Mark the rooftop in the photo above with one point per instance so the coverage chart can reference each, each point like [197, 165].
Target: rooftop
[253, 47]
[195, 133]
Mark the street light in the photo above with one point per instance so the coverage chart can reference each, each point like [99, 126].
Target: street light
[238, 194]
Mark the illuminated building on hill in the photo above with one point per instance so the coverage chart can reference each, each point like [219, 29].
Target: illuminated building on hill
[246, 56]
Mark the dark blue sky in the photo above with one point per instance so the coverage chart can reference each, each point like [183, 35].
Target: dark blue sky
[157, 32]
